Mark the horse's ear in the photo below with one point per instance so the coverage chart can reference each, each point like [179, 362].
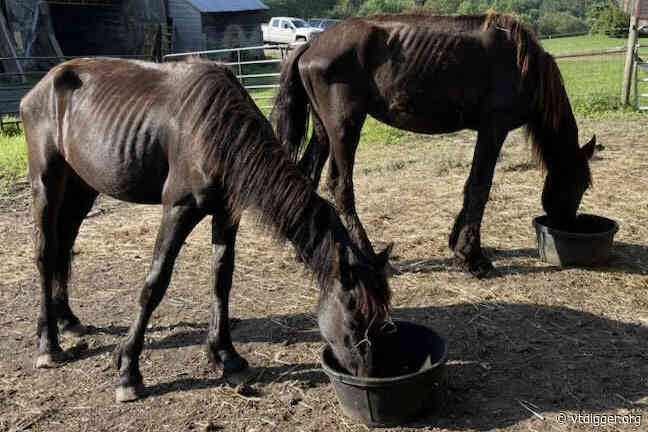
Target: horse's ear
[382, 259]
[588, 149]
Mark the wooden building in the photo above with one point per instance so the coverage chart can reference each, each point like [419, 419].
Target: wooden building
[216, 24]
[36, 28]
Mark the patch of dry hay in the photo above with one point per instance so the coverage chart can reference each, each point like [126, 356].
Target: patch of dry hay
[536, 339]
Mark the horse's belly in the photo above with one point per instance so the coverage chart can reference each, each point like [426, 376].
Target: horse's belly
[133, 179]
[430, 121]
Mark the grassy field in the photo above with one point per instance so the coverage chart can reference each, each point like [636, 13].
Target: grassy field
[577, 44]
[525, 346]
[593, 84]
[13, 160]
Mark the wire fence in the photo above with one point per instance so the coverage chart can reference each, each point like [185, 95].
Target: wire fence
[592, 71]
[257, 68]
[24, 73]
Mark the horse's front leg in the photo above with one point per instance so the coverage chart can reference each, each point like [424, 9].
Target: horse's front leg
[343, 129]
[177, 223]
[219, 341]
[465, 239]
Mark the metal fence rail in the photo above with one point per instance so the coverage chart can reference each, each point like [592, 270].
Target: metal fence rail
[15, 85]
[257, 68]
[236, 59]
[640, 81]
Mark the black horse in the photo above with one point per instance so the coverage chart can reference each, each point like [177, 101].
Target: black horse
[187, 136]
[433, 74]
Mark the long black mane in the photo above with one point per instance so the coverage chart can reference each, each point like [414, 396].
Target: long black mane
[237, 146]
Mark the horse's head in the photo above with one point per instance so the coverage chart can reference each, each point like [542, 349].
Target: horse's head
[565, 185]
[354, 306]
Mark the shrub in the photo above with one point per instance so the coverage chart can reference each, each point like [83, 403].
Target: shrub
[560, 23]
[609, 20]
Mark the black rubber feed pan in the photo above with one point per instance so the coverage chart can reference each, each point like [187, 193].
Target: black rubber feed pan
[589, 245]
[409, 360]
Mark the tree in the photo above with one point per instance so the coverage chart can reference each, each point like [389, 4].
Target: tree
[472, 7]
[608, 19]
[443, 6]
[345, 8]
[560, 23]
[299, 8]
[370, 7]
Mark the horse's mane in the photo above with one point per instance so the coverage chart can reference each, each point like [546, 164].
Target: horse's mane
[234, 143]
[551, 117]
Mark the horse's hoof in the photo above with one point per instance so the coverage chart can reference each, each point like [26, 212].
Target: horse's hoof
[233, 365]
[243, 376]
[50, 360]
[391, 270]
[129, 393]
[484, 272]
[75, 330]
[480, 269]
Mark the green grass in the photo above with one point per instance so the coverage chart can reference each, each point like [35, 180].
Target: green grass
[577, 44]
[593, 83]
[13, 160]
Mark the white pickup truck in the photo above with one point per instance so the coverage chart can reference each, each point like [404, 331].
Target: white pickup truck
[288, 30]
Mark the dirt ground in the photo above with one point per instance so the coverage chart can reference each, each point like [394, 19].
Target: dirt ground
[524, 346]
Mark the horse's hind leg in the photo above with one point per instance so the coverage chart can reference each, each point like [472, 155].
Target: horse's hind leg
[77, 202]
[344, 129]
[219, 342]
[465, 239]
[315, 155]
[48, 179]
[177, 223]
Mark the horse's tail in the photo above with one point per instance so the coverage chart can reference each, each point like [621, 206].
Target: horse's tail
[290, 111]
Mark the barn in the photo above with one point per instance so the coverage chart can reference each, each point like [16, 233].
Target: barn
[216, 24]
[37, 28]
[83, 27]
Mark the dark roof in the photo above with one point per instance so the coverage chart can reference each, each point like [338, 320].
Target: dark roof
[207, 6]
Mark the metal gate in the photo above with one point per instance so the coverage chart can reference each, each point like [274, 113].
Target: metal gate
[258, 74]
[640, 82]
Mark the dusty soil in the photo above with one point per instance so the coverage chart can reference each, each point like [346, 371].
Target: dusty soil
[526, 345]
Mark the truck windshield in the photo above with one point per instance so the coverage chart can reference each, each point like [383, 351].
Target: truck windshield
[299, 23]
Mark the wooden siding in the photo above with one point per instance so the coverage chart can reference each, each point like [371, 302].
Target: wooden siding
[636, 7]
[89, 31]
[233, 30]
[187, 26]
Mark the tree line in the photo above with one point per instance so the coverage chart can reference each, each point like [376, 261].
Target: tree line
[546, 17]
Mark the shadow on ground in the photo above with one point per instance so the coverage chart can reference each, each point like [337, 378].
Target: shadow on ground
[502, 356]
[626, 258]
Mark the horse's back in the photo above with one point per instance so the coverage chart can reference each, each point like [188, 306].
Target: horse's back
[418, 67]
[113, 121]
[413, 68]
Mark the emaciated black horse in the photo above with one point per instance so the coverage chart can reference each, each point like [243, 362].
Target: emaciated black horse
[433, 74]
[189, 137]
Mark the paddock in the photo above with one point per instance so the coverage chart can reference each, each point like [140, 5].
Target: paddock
[531, 343]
